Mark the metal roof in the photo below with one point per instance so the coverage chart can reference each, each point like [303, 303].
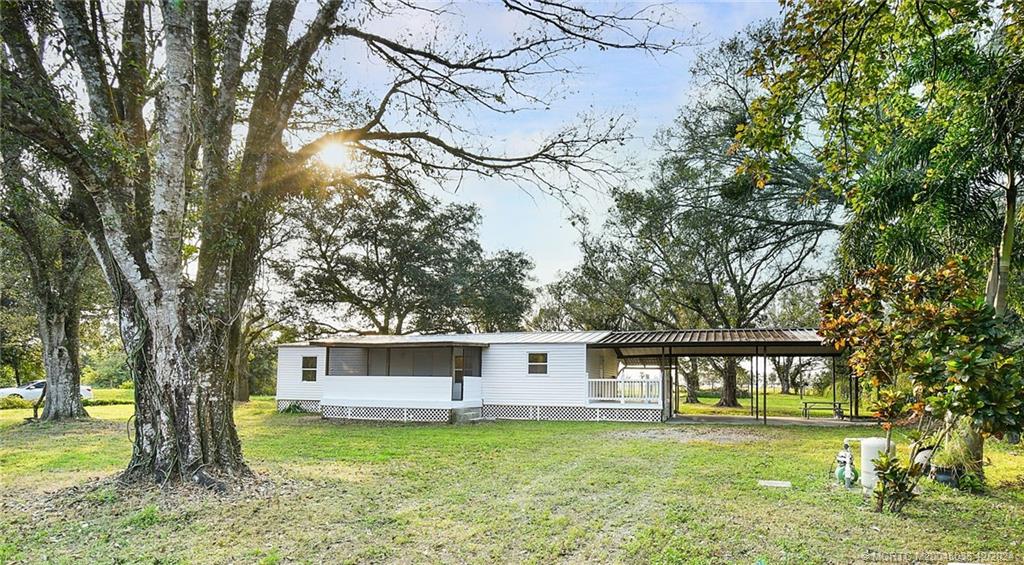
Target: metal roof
[631, 344]
[713, 336]
[739, 342]
[479, 340]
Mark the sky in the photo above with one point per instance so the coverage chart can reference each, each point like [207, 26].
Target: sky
[647, 89]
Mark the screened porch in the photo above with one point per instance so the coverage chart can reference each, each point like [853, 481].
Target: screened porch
[435, 376]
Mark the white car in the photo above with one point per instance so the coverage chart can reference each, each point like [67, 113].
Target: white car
[32, 391]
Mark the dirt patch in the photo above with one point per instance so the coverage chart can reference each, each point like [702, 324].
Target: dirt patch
[72, 426]
[110, 491]
[686, 434]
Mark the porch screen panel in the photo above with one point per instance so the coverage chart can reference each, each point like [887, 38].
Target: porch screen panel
[472, 361]
[377, 362]
[441, 362]
[402, 362]
[346, 361]
[421, 361]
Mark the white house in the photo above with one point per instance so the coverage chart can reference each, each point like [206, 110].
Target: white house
[547, 376]
[524, 376]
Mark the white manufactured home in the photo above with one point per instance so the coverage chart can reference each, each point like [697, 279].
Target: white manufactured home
[524, 376]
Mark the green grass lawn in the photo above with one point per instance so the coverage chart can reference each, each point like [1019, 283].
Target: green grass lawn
[778, 405]
[537, 492]
[119, 394]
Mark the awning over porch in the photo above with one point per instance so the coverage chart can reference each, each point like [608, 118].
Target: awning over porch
[742, 342]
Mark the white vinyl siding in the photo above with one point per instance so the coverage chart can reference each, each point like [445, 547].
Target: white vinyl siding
[506, 378]
[290, 385]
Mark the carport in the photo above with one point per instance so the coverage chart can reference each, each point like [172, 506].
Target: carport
[660, 349]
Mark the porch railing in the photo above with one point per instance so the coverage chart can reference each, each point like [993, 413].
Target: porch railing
[624, 391]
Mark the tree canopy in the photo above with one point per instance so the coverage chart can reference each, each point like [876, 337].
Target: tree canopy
[389, 264]
[921, 127]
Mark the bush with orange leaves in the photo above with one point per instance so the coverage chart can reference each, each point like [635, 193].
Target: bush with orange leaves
[932, 348]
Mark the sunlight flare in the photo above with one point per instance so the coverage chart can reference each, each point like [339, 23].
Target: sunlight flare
[336, 156]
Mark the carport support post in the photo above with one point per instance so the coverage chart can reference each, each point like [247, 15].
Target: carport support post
[666, 389]
[750, 388]
[764, 389]
[856, 396]
[833, 382]
[850, 389]
[675, 384]
[754, 399]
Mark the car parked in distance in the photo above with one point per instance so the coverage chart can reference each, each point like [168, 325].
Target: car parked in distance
[33, 390]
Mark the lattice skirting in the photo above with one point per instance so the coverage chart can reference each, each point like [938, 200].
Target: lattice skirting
[304, 405]
[388, 414]
[570, 413]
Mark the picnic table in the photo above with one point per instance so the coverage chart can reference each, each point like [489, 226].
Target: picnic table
[836, 406]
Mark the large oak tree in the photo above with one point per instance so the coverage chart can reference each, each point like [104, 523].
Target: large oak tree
[57, 261]
[390, 264]
[682, 259]
[706, 245]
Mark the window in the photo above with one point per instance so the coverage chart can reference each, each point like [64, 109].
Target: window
[309, 369]
[537, 364]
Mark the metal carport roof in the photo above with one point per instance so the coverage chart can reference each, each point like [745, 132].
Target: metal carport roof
[717, 342]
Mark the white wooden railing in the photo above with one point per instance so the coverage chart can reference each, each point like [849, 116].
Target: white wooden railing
[642, 391]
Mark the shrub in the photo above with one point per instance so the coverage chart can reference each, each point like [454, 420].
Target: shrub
[105, 367]
[13, 403]
[896, 482]
[105, 402]
[293, 408]
[935, 352]
[970, 482]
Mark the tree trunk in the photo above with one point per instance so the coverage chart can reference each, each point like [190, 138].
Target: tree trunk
[241, 381]
[784, 372]
[56, 258]
[692, 379]
[184, 427]
[728, 396]
[59, 332]
[1006, 244]
[238, 366]
[997, 291]
[184, 423]
[992, 286]
[974, 444]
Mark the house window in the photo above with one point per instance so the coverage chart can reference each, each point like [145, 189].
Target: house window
[537, 364]
[309, 369]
